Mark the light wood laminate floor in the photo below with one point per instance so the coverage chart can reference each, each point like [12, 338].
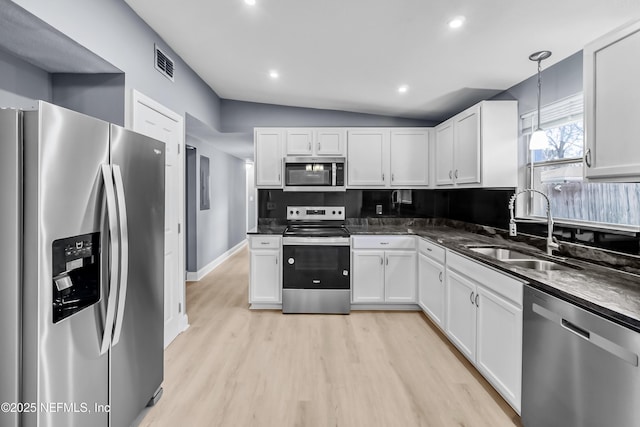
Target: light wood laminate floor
[237, 367]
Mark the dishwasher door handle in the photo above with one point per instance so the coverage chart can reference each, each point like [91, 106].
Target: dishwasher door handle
[629, 356]
[576, 329]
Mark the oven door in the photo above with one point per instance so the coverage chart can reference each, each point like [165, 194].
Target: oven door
[315, 267]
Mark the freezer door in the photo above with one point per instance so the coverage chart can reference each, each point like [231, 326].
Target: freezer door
[10, 259]
[63, 370]
[137, 352]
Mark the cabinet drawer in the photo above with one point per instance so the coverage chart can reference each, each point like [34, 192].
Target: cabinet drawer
[265, 242]
[504, 285]
[384, 242]
[431, 250]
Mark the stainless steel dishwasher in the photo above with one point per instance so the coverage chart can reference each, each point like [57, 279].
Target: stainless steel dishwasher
[578, 369]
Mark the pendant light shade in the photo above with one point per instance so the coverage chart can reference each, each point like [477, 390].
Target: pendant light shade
[538, 139]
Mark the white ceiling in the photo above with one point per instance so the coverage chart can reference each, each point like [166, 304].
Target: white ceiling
[352, 55]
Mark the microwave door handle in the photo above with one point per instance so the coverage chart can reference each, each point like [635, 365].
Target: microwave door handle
[334, 174]
[114, 257]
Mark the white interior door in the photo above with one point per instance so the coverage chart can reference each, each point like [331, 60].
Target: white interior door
[156, 121]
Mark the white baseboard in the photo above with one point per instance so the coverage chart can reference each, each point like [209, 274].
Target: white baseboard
[197, 276]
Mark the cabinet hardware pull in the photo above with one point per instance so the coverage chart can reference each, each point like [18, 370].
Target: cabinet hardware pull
[456, 174]
[387, 261]
[309, 145]
[471, 297]
[392, 177]
[318, 146]
[477, 305]
[381, 261]
[587, 157]
[384, 243]
[383, 177]
[430, 250]
[450, 174]
[264, 243]
[276, 260]
[440, 276]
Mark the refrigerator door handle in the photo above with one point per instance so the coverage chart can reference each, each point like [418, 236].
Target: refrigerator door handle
[114, 257]
[124, 252]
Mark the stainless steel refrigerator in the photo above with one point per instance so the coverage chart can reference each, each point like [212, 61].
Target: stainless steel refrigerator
[81, 264]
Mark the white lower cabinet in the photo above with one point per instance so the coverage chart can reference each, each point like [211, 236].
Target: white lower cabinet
[484, 321]
[265, 270]
[431, 285]
[368, 276]
[383, 276]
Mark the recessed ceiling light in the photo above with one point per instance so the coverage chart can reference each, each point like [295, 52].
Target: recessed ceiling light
[403, 89]
[274, 74]
[250, 2]
[457, 22]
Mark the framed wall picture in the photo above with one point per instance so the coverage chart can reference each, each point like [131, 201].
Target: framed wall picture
[205, 199]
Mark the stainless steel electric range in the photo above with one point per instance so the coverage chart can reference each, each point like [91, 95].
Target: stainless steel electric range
[316, 267]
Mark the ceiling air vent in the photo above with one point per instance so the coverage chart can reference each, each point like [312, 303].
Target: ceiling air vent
[163, 63]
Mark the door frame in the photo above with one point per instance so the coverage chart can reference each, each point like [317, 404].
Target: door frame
[140, 100]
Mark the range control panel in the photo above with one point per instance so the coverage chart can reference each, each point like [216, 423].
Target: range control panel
[315, 213]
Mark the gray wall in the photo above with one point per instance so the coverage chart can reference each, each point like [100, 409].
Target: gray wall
[98, 95]
[559, 81]
[21, 83]
[223, 225]
[111, 30]
[192, 205]
[241, 116]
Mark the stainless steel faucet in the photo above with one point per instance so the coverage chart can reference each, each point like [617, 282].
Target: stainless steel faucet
[551, 244]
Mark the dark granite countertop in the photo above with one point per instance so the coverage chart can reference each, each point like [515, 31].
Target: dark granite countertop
[612, 291]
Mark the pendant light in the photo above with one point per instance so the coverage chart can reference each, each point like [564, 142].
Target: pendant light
[538, 140]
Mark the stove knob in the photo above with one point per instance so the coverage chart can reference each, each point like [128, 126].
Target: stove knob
[290, 212]
[339, 212]
[334, 212]
[297, 212]
[291, 260]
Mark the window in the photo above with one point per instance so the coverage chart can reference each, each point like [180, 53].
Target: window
[557, 172]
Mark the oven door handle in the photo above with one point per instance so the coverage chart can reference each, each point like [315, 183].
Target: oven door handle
[315, 241]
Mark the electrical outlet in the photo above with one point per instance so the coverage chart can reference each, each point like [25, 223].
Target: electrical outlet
[271, 206]
[512, 229]
[379, 209]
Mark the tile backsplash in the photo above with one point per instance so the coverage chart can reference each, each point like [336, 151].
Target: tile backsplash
[476, 206]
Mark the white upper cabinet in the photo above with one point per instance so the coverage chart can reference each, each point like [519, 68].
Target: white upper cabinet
[383, 158]
[367, 157]
[268, 157]
[479, 147]
[466, 147]
[612, 106]
[409, 157]
[444, 153]
[315, 142]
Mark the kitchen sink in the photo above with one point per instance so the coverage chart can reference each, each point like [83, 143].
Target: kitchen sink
[517, 258]
[499, 253]
[536, 264]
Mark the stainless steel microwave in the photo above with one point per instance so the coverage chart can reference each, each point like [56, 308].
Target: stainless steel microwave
[314, 174]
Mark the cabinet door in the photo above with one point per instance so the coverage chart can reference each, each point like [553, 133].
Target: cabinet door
[367, 157]
[611, 107]
[499, 337]
[444, 153]
[368, 276]
[409, 157]
[330, 142]
[431, 296]
[461, 313]
[299, 142]
[265, 276]
[268, 144]
[466, 155]
[400, 276]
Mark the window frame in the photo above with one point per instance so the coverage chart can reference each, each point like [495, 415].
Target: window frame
[562, 111]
